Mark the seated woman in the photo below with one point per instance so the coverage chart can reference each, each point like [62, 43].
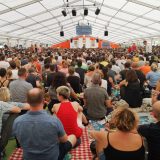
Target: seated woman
[64, 68]
[123, 144]
[58, 80]
[74, 80]
[130, 89]
[8, 107]
[69, 113]
[88, 76]
[4, 81]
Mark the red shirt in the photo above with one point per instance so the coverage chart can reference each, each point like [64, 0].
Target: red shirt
[68, 117]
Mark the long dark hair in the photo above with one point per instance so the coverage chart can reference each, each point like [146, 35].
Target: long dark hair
[59, 80]
[131, 76]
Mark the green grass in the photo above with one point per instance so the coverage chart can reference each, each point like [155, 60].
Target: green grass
[10, 148]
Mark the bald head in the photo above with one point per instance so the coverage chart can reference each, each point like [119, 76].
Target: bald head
[35, 97]
[156, 109]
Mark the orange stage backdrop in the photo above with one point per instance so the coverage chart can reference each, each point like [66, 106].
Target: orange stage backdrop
[66, 44]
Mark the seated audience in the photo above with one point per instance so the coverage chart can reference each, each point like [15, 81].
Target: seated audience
[4, 81]
[80, 71]
[45, 73]
[140, 75]
[145, 68]
[130, 89]
[51, 75]
[58, 80]
[6, 106]
[88, 76]
[44, 137]
[20, 87]
[127, 67]
[124, 143]
[69, 113]
[14, 70]
[3, 62]
[64, 67]
[111, 75]
[74, 80]
[115, 67]
[156, 93]
[152, 133]
[33, 78]
[96, 99]
[153, 76]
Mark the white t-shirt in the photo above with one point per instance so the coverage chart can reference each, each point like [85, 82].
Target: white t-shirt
[15, 74]
[4, 64]
[104, 84]
[116, 68]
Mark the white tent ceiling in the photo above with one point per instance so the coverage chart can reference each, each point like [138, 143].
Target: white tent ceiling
[41, 20]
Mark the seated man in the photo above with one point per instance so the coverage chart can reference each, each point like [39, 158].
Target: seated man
[40, 133]
[152, 133]
[96, 99]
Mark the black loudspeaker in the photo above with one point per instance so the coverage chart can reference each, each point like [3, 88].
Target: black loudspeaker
[97, 40]
[64, 13]
[71, 40]
[97, 11]
[85, 11]
[105, 33]
[74, 13]
[61, 33]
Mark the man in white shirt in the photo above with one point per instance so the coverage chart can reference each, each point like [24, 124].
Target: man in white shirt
[115, 67]
[3, 63]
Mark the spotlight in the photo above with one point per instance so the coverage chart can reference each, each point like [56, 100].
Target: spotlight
[85, 11]
[74, 13]
[97, 11]
[64, 13]
[105, 33]
[61, 33]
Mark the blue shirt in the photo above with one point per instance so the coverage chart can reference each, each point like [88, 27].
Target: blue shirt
[38, 134]
[153, 77]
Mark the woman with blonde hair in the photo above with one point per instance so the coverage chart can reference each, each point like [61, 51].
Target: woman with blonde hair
[69, 113]
[124, 143]
[4, 94]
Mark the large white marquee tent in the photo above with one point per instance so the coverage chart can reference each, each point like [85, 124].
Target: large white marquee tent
[41, 20]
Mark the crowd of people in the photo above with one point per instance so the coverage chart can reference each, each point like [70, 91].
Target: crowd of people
[55, 92]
